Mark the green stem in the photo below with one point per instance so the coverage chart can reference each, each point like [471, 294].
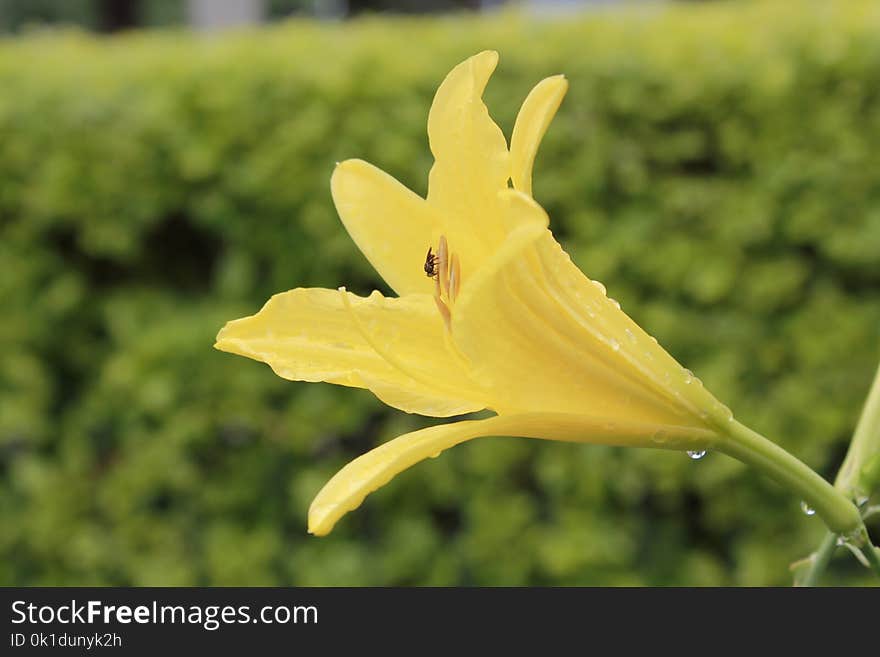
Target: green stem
[836, 510]
[865, 442]
[819, 560]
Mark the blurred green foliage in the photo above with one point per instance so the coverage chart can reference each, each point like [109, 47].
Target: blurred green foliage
[718, 167]
[18, 15]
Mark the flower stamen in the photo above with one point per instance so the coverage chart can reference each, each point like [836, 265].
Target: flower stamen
[443, 265]
[454, 277]
[445, 313]
[447, 279]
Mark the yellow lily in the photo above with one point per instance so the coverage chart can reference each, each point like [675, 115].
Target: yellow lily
[503, 320]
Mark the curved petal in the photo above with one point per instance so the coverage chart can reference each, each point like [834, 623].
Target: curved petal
[530, 353]
[395, 347]
[348, 488]
[392, 226]
[583, 303]
[532, 122]
[471, 160]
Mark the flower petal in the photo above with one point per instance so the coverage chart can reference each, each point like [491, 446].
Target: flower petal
[532, 122]
[525, 348]
[348, 488]
[392, 226]
[396, 347]
[471, 160]
[583, 303]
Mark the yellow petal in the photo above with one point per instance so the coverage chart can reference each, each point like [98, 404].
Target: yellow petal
[396, 347]
[348, 488]
[392, 226]
[583, 303]
[533, 357]
[471, 161]
[532, 122]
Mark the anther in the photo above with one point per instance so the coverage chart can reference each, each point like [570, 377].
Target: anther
[444, 267]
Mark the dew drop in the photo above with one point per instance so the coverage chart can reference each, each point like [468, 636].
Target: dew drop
[807, 509]
[660, 437]
[696, 454]
[435, 454]
[629, 335]
[601, 287]
[724, 412]
[653, 339]
[615, 302]
[615, 345]
[688, 377]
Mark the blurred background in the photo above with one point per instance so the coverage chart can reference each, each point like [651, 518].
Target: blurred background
[164, 167]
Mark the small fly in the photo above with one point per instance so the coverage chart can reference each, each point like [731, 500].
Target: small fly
[431, 263]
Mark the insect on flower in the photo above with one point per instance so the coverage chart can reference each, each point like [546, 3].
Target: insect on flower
[431, 262]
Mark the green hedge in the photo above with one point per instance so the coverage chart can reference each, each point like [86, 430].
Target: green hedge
[717, 167]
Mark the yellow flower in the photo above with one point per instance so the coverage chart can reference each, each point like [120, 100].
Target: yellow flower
[503, 320]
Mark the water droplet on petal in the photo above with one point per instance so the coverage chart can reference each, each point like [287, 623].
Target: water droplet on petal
[696, 454]
[601, 287]
[615, 345]
[435, 454]
[660, 437]
[688, 377]
[724, 412]
[615, 302]
[807, 509]
[629, 335]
